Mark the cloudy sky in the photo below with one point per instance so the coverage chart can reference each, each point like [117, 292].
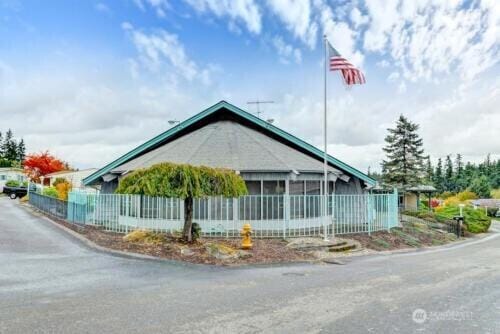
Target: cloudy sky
[90, 80]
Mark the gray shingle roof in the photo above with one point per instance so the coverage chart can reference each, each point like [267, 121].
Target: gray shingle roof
[231, 145]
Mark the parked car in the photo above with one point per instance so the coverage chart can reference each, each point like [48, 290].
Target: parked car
[15, 192]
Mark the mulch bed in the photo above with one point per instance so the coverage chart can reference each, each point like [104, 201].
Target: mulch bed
[263, 251]
[409, 236]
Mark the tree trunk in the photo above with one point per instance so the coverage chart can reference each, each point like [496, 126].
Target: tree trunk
[188, 219]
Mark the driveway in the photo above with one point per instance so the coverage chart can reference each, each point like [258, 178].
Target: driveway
[52, 283]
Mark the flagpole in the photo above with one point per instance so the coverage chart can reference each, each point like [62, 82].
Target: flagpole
[325, 154]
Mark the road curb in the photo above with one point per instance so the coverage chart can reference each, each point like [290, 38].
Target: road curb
[101, 249]
[136, 256]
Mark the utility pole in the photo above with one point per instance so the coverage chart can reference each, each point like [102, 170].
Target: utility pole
[258, 103]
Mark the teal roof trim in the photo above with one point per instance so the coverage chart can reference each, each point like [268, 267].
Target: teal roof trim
[223, 104]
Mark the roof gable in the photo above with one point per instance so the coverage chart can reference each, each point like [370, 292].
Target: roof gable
[154, 142]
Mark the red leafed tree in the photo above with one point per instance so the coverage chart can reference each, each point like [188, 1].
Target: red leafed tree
[41, 164]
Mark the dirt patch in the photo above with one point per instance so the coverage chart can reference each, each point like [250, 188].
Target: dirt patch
[410, 235]
[263, 251]
[221, 251]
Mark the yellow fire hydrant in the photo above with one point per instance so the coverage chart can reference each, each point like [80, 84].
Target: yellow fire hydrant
[246, 242]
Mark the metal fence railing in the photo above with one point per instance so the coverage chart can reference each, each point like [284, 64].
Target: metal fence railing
[50, 205]
[269, 215]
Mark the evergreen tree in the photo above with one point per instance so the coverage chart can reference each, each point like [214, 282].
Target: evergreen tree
[21, 151]
[9, 146]
[459, 180]
[404, 164]
[429, 171]
[438, 176]
[481, 187]
[1, 146]
[449, 184]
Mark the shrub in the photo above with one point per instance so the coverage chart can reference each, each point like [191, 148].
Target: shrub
[446, 194]
[145, 236]
[476, 220]
[435, 203]
[495, 193]
[466, 195]
[492, 212]
[51, 192]
[481, 187]
[452, 201]
[183, 181]
[63, 188]
[12, 183]
[59, 180]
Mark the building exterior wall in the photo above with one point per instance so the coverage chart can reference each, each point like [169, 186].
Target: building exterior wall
[73, 177]
[7, 174]
[268, 183]
[410, 201]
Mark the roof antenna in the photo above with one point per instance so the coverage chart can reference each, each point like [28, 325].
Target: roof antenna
[258, 103]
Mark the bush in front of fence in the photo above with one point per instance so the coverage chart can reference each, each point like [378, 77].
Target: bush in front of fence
[476, 220]
[185, 182]
[50, 192]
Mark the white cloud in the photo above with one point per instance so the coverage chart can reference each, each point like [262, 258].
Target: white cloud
[393, 77]
[286, 51]
[340, 35]
[102, 7]
[296, 14]
[432, 39]
[159, 6]
[358, 18]
[246, 11]
[163, 48]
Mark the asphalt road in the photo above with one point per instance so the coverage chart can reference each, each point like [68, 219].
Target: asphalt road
[51, 283]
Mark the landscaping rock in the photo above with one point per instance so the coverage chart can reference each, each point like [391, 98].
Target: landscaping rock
[244, 254]
[309, 244]
[185, 251]
[221, 252]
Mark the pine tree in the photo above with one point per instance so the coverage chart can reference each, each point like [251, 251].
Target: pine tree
[429, 171]
[404, 164]
[9, 146]
[449, 183]
[481, 187]
[21, 151]
[459, 174]
[1, 146]
[438, 176]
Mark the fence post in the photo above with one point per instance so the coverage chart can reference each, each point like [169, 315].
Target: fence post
[394, 209]
[369, 207]
[286, 213]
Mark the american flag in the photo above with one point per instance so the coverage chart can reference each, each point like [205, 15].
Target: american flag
[350, 73]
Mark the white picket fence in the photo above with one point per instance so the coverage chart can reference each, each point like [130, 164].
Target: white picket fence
[269, 215]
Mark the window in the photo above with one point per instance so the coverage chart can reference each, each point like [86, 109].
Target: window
[296, 187]
[3, 178]
[253, 187]
[273, 187]
[313, 188]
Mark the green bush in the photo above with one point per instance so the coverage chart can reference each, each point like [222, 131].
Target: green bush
[492, 212]
[51, 192]
[12, 183]
[481, 187]
[476, 220]
[495, 193]
[59, 180]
